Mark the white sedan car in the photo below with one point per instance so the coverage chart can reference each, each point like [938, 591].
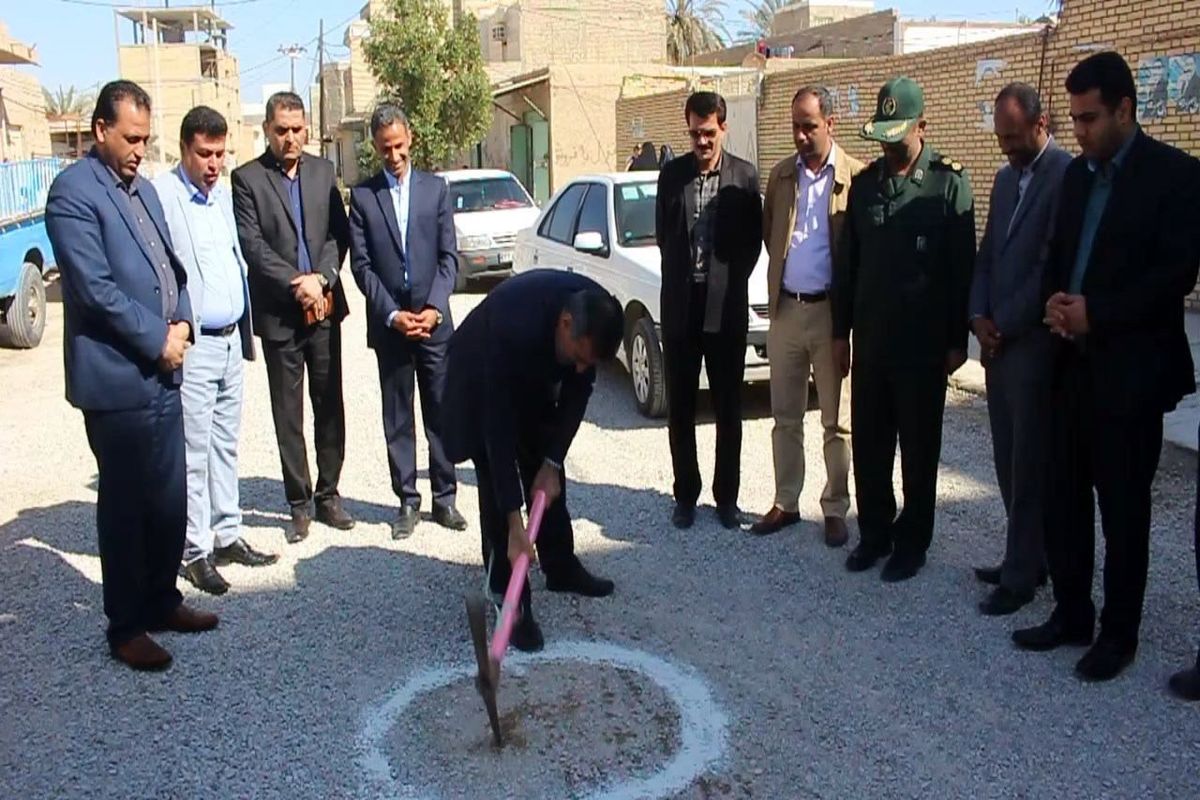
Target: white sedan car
[602, 226]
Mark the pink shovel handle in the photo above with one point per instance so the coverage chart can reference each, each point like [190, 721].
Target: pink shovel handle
[512, 596]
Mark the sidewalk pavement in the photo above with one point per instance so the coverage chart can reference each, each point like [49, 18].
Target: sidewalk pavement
[1179, 427]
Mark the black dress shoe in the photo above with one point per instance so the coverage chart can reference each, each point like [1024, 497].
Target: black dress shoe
[991, 576]
[241, 553]
[331, 513]
[864, 556]
[774, 521]
[1002, 602]
[901, 567]
[730, 517]
[446, 515]
[578, 580]
[297, 531]
[1104, 661]
[405, 522]
[527, 635]
[1186, 684]
[1053, 633]
[684, 516]
[204, 576]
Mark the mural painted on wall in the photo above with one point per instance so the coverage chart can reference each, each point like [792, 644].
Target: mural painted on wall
[1152, 88]
[986, 68]
[845, 102]
[987, 115]
[1184, 88]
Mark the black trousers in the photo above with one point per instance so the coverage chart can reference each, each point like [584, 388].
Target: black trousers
[890, 402]
[556, 539]
[724, 357]
[1196, 532]
[141, 510]
[1116, 457]
[403, 368]
[319, 350]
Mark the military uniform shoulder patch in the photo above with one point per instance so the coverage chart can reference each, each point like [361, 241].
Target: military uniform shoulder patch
[951, 164]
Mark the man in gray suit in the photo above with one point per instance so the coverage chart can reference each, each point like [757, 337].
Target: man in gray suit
[199, 213]
[1006, 316]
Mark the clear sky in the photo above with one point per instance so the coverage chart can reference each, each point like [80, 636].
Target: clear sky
[75, 39]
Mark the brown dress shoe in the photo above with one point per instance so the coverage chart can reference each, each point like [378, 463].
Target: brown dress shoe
[836, 534]
[142, 653]
[774, 521]
[187, 620]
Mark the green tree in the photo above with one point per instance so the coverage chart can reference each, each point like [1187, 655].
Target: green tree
[435, 71]
[694, 27]
[760, 16]
[65, 102]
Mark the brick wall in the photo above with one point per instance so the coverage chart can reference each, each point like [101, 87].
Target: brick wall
[657, 118]
[591, 31]
[868, 35]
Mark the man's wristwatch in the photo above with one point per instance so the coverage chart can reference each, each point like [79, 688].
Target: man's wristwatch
[439, 318]
[321, 279]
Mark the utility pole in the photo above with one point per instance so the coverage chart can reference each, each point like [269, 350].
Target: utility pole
[321, 86]
[293, 51]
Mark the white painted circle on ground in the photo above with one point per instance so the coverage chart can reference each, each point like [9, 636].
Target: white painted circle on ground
[702, 723]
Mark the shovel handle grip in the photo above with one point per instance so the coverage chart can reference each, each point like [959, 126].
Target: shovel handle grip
[512, 596]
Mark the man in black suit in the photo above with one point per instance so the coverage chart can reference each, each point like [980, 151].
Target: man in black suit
[1123, 257]
[294, 235]
[128, 321]
[519, 373]
[709, 229]
[403, 258]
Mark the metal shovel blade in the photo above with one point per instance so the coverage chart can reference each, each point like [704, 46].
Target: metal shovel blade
[486, 680]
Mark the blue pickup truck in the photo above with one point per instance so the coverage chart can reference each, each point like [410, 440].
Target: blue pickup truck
[25, 254]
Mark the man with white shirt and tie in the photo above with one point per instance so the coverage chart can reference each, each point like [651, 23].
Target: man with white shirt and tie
[802, 221]
[402, 254]
[199, 214]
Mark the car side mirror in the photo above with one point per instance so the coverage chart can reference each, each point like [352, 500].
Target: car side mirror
[589, 242]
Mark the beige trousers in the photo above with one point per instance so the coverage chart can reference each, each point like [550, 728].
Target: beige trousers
[800, 342]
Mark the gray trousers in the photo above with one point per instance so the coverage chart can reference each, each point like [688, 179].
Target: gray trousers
[1018, 398]
[212, 419]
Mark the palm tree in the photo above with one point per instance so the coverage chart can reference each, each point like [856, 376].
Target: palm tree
[694, 27]
[761, 15]
[66, 102]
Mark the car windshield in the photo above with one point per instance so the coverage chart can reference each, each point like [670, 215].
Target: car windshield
[634, 203]
[487, 194]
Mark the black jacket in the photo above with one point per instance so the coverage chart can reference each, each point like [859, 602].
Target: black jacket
[504, 382]
[736, 248]
[1143, 264]
[268, 237]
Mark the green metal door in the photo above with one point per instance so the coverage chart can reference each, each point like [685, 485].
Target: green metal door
[519, 147]
[540, 155]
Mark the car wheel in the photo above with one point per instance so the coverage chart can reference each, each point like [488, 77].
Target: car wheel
[26, 316]
[646, 369]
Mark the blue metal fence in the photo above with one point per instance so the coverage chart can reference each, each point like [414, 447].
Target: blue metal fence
[25, 184]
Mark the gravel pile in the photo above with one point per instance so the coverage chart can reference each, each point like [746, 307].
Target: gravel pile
[833, 685]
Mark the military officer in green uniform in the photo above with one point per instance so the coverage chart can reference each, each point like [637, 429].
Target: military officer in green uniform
[900, 291]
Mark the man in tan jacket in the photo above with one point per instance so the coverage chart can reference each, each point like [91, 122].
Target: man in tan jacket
[802, 220]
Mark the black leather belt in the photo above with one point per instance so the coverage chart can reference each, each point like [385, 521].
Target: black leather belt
[226, 331]
[806, 298]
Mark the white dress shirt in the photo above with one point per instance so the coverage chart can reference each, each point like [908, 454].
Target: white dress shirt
[808, 268]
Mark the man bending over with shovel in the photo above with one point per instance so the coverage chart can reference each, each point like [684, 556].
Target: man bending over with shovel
[519, 372]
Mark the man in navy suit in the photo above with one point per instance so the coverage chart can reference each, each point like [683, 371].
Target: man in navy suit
[518, 378]
[127, 320]
[403, 258]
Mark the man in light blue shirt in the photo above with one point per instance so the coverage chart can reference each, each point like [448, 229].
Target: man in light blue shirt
[199, 212]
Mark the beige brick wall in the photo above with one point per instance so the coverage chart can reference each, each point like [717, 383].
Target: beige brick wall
[25, 109]
[591, 31]
[175, 86]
